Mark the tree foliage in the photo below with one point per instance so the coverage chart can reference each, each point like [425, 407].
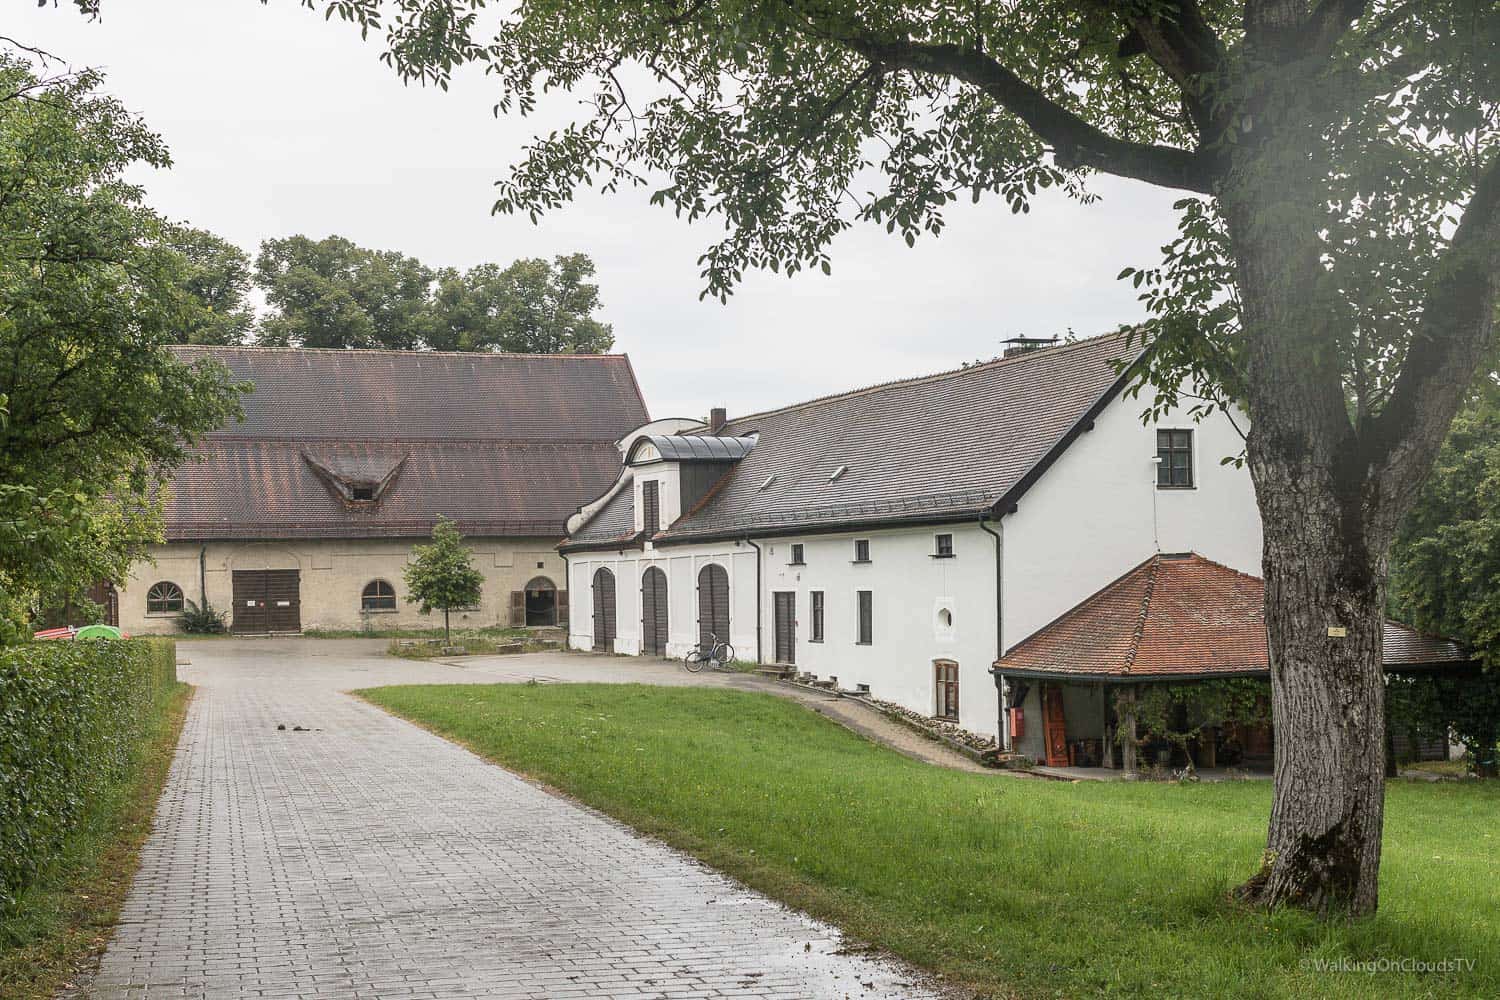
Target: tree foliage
[442, 575]
[93, 407]
[531, 307]
[216, 274]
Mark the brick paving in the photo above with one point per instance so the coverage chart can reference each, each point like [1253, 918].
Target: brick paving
[365, 857]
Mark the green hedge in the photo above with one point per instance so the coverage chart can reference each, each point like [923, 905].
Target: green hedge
[73, 717]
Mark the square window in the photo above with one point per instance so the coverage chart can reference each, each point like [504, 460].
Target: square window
[1174, 452]
[944, 547]
[797, 555]
[861, 550]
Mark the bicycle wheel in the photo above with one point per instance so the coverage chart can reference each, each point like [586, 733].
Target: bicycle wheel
[724, 654]
[693, 661]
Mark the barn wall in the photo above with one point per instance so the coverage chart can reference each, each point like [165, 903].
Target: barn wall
[333, 574]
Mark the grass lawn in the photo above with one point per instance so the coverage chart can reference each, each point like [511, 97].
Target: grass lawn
[1008, 885]
[65, 919]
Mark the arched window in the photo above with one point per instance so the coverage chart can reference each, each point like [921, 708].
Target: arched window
[163, 598]
[378, 596]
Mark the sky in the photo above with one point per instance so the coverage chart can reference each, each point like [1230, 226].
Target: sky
[280, 122]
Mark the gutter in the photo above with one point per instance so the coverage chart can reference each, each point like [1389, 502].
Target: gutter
[999, 537]
[757, 597]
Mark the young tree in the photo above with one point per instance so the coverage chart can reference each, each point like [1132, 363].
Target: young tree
[93, 407]
[1336, 269]
[442, 575]
[531, 307]
[333, 293]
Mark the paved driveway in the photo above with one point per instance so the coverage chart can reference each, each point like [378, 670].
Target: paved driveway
[366, 857]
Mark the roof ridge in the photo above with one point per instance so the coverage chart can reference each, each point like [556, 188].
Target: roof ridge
[402, 441]
[1003, 360]
[266, 349]
[1139, 630]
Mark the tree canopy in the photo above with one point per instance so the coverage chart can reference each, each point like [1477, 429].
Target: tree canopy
[93, 407]
[442, 575]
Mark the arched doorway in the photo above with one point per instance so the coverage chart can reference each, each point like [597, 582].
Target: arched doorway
[604, 610]
[713, 604]
[541, 601]
[654, 612]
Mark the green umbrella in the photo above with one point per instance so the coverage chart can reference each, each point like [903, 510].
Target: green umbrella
[98, 632]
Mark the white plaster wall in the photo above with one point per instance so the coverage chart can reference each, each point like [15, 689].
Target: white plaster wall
[669, 492]
[332, 577]
[1097, 513]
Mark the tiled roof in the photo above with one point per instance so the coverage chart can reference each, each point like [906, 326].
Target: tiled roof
[500, 443]
[1185, 616]
[943, 445]
[614, 522]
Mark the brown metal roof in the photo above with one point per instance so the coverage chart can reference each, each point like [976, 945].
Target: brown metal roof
[503, 444]
[941, 446]
[1181, 616]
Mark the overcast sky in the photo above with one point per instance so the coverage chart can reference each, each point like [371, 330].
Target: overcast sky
[282, 123]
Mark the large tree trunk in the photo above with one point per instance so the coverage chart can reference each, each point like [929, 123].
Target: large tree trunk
[1325, 598]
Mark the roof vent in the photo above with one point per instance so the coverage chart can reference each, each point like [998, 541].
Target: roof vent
[769, 480]
[838, 473]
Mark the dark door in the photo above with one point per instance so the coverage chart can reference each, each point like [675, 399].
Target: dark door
[1054, 726]
[654, 612]
[541, 602]
[604, 610]
[785, 626]
[266, 600]
[713, 604]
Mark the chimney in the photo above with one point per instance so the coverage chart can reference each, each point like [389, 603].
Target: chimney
[717, 418]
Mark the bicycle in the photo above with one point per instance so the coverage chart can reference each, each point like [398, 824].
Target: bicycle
[712, 652]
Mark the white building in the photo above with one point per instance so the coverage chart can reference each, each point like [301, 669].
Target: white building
[905, 536]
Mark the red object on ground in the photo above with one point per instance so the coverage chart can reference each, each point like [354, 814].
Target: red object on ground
[66, 632]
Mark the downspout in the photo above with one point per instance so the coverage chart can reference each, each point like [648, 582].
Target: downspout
[203, 578]
[567, 589]
[999, 538]
[757, 597]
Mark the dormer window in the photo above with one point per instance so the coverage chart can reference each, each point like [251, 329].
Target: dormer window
[362, 494]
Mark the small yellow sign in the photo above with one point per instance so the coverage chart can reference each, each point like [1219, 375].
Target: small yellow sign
[1337, 632]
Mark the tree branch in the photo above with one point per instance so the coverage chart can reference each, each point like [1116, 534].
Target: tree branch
[1075, 143]
[1451, 338]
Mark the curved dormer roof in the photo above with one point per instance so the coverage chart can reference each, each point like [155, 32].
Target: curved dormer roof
[691, 448]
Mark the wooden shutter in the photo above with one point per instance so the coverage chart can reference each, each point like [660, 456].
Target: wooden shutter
[517, 608]
[604, 610]
[651, 502]
[654, 612]
[785, 626]
[713, 604]
[562, 608]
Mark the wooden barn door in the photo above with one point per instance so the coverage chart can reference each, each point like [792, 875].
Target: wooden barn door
[713, 604]
[266, 600]
[654, 612]
[1054, 726]
[785, 623]
[604, 611]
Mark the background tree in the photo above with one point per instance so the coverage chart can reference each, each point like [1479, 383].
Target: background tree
[332, 293]
[442, 575]
[1446, 567]
[531, 307]
[1336, 270]
[93, 407]
[216, 274]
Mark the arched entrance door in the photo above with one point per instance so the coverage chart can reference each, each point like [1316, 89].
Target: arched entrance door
[604, 610]
[541, 602]
[654, 612]
[713, 604]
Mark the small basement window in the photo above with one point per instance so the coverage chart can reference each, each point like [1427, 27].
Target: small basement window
[861, 550]
[797, 555]
[164, 598]
[943, 547]
[378, 596]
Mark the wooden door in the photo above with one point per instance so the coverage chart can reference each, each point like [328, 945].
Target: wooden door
[785, 625]
[1054, 726]
[713, 604]
[604, 610]
[654, 612]
[266, 600]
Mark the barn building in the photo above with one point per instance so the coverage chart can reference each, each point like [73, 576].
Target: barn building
[304, 514]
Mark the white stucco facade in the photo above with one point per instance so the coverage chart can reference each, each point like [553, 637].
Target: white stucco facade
[1092, 516]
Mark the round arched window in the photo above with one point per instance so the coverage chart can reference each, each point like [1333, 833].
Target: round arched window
[163, 598]
[378, 596]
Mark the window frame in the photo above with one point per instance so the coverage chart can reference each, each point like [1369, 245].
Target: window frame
[798, 555]
[365, 597]
[861, 551]
[942, 686]
[1165, 454]
[864, 617]
[938, 551]
[815, 608]
[165, 600]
